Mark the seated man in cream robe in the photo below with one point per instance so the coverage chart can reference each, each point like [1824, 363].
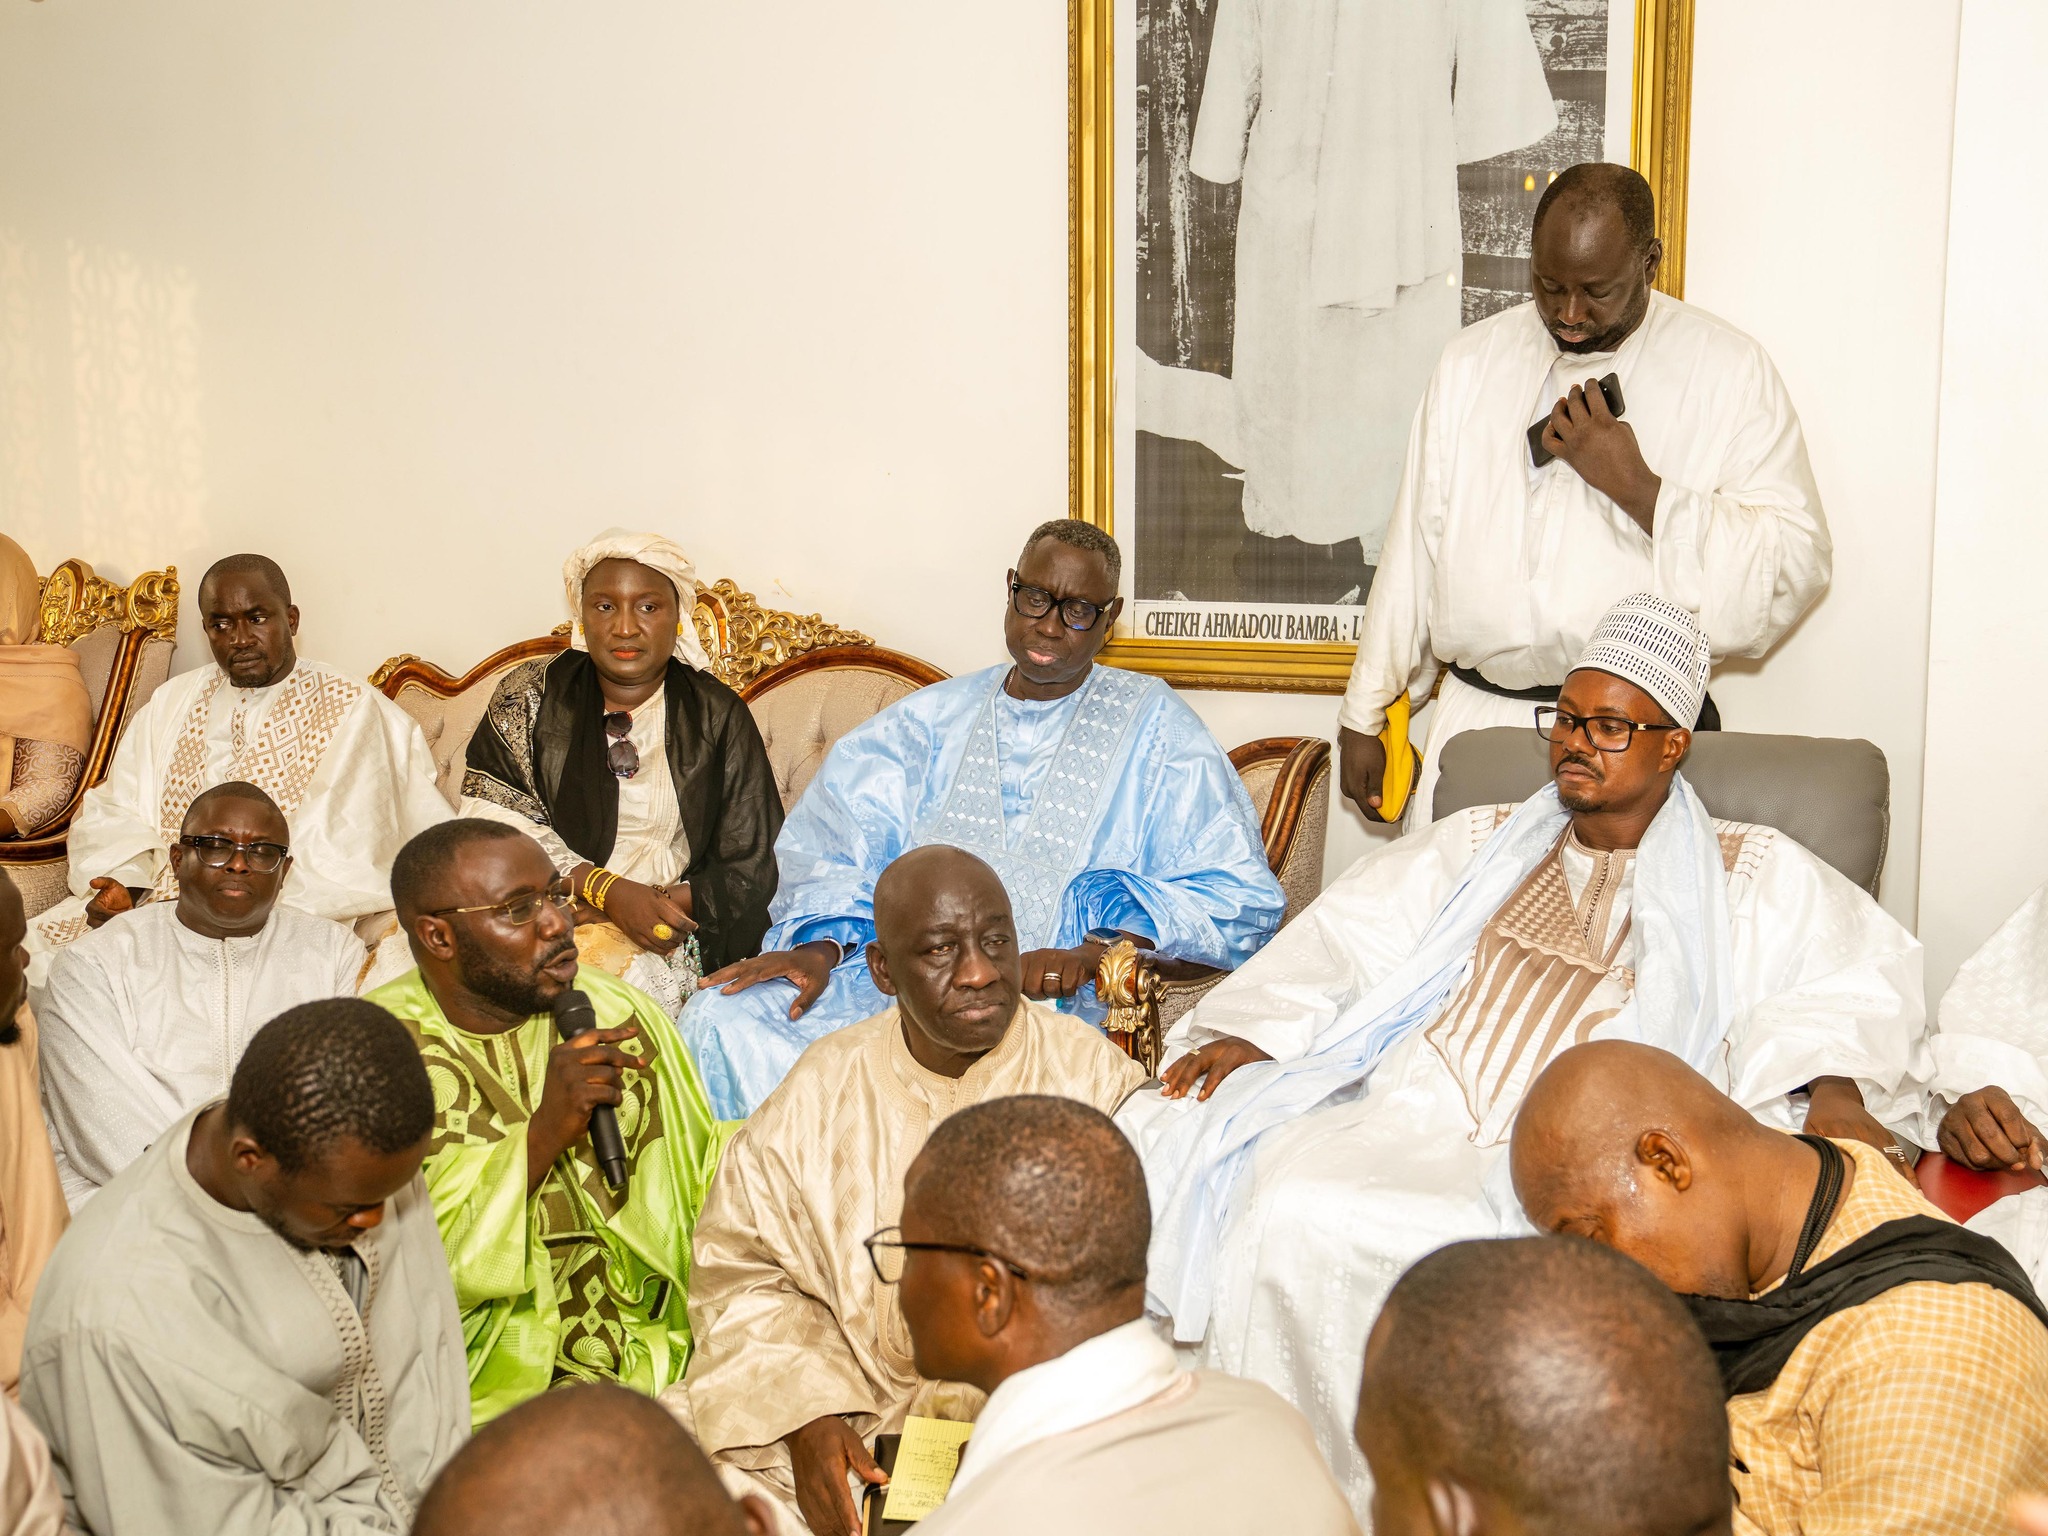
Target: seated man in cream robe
[349, 769]
[144, 1018]
[1886, 1371]
[1361, 1076]
[564, 1270]
[251, 1330]
[1497, 568]
[801, 1357]
[1098, 795]
[1541, 1386]
[1020, 1262]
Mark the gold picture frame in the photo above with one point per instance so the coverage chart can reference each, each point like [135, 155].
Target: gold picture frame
[1658, 138]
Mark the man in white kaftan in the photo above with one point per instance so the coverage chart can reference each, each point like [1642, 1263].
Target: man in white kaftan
[350, 770]
[1098, 796]
[145, 1018]
[1347, 121]
[1496, 570]
[213, 1351]
[1392, 1029]
[1991, 1059]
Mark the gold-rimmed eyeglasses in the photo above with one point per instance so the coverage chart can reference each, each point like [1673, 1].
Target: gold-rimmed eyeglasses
[520, 910]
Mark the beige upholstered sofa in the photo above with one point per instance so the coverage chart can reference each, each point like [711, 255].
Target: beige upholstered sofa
[124, 637]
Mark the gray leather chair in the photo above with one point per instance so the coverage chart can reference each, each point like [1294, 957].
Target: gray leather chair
[1830, 795]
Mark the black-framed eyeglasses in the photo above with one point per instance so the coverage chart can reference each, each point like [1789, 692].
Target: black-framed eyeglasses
[886, 1250]
[620, 755]
[1035, 603]
[520, 910]
[219, 853]
[1607, 733]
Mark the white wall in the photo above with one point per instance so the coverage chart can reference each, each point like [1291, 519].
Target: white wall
[1820, 161]
[414, 298]
[1986, 821]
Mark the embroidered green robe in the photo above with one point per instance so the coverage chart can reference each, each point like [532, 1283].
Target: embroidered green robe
[572, 1283]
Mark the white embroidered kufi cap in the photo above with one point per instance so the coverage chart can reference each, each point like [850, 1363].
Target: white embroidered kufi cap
[1659, 647]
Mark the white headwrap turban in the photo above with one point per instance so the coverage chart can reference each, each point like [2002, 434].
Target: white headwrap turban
[1659, 647]
[657, 554]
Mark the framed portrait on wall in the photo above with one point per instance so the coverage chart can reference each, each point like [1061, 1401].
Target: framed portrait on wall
[1280, 212]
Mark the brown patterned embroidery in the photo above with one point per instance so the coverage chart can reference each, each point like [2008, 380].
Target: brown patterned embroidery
[281, 759]
[1533, 984]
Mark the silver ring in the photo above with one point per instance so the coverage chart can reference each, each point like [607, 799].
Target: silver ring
[1051, 978]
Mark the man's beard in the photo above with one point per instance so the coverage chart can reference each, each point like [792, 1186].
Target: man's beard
[508, 986]
[1611, 338]
[1578, 798]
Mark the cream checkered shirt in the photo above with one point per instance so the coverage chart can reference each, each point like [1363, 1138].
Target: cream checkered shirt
[1922, 1411]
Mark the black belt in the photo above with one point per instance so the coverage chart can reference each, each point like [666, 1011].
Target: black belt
[1472, 679]
[1710, 712]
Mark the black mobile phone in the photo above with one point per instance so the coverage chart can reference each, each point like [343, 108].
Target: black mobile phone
[1609, 386]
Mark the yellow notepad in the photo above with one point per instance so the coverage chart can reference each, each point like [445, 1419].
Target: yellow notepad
[926, 1460]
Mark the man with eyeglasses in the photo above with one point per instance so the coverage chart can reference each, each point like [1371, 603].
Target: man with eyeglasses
[801, 1357]
[559, 1276]
[349, 768]
[1098, 796]
[1342, 1105]
[145, 1018]
[1020, 1264]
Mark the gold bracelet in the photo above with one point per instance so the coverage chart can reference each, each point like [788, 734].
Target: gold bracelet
[604, 893]
[597, 885]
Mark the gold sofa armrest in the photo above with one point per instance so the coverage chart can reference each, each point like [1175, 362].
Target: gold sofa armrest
[1289, 777]
[74, 603]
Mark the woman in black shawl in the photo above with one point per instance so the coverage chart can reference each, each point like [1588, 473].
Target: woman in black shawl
[642, 775]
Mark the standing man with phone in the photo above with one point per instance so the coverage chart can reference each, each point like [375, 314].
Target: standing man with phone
[1499, 563]
[559, 1276]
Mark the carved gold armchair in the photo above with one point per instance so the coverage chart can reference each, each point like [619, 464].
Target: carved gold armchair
[1288, 778]
[124, 637]
[807, 682]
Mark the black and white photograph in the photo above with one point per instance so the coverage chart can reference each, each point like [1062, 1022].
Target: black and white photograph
[1320, 195]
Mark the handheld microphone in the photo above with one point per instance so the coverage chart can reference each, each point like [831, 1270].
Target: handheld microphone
[574, 1016]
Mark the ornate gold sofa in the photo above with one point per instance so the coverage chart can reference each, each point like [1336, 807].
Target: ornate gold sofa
[809, 682]
[124, 637]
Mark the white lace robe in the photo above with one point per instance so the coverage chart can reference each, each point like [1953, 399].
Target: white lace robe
[351, 771]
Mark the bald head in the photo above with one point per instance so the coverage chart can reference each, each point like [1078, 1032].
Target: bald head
[1629, 1146]
[1579, 1126]
[596, 1460]
[1555, 1386]
[1048, 1182]
[915, 883]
